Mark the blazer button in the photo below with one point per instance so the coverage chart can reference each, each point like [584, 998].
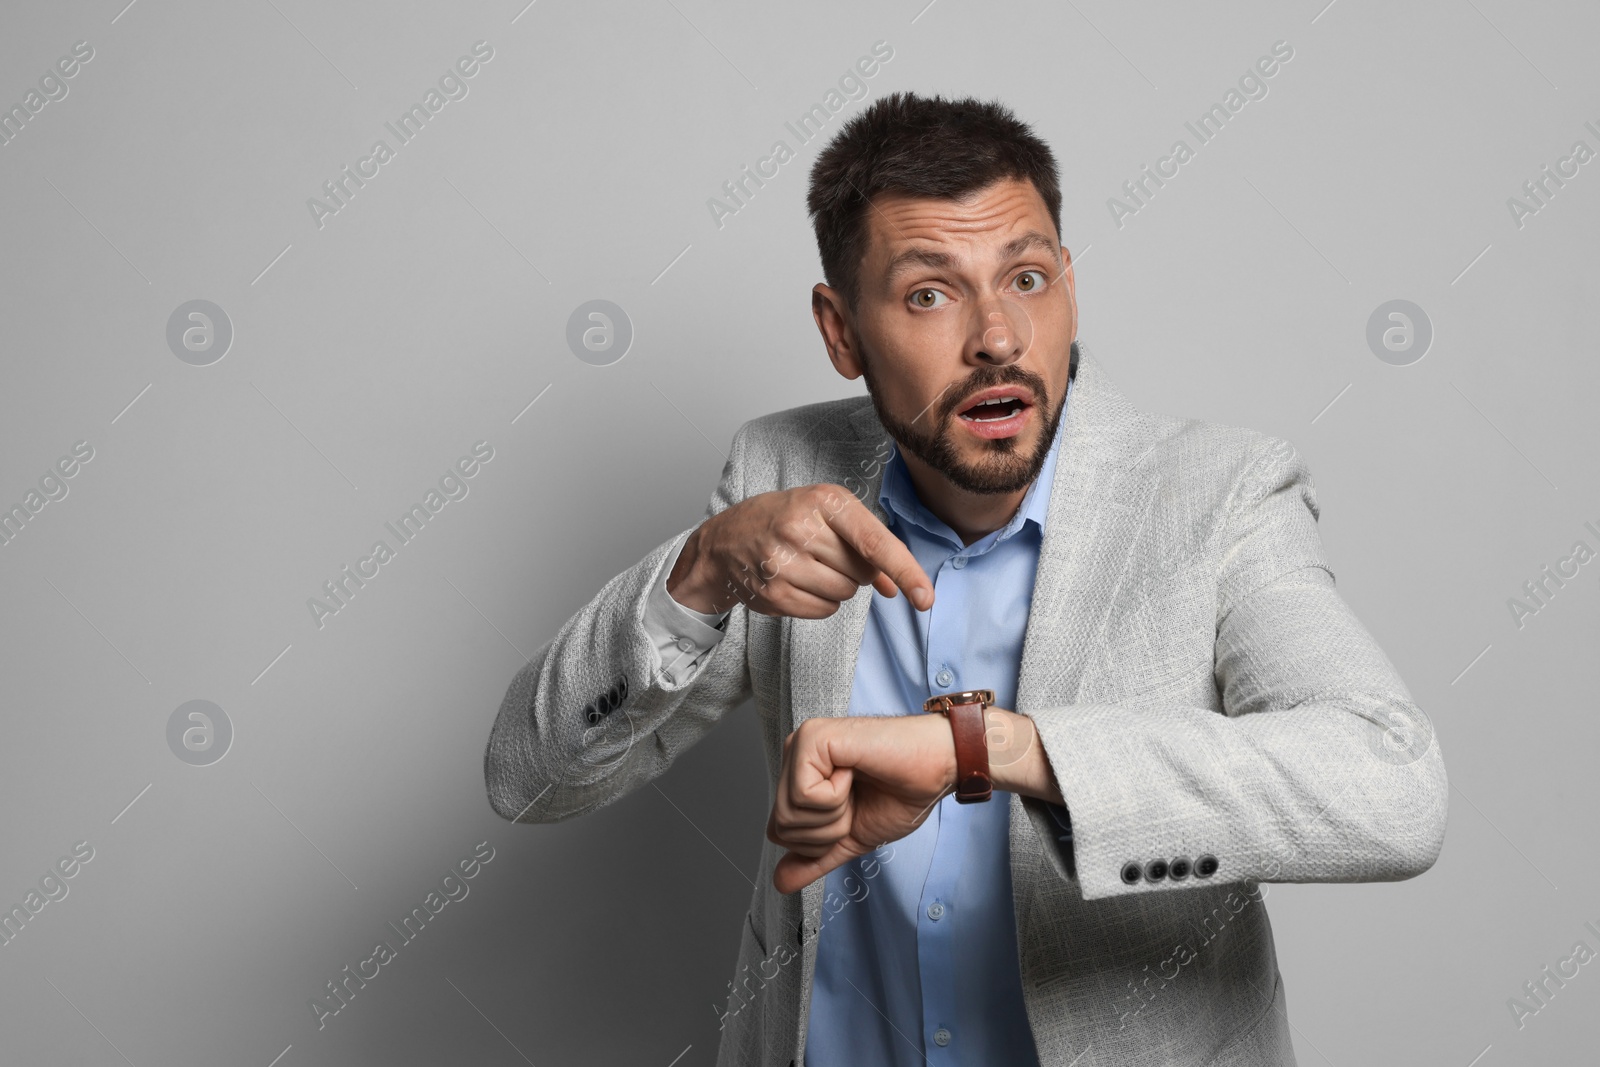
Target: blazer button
[1179, 869]
[1205, 866]
[1130, 872]
[1155, 870]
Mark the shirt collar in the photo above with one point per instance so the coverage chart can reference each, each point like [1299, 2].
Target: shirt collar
[899, 497]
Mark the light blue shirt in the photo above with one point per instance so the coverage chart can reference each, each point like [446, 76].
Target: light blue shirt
[888, 990]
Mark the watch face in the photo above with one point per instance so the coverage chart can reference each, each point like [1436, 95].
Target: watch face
[945, 701]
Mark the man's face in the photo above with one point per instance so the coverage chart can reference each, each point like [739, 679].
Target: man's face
[963, 330]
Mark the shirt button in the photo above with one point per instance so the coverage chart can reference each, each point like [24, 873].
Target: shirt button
[958, 562]
[944, 678]
[941, 1036]
[936, 911]
[684, 644]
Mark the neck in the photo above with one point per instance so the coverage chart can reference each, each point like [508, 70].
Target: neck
[970, 515]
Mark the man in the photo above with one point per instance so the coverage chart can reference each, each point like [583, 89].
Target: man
[1182, 707]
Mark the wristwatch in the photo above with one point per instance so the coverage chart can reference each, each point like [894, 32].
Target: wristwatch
[966, 714]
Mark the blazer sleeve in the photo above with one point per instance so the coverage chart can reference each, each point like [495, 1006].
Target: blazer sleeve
[593, 716]
[1320, 768]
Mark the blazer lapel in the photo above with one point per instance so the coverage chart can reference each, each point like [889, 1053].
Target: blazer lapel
[822, 652]
[1095, 510]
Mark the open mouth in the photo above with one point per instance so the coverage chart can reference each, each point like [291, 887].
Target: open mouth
[998, 412]
[996, 407]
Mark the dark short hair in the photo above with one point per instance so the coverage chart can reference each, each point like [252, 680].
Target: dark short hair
[916, 146]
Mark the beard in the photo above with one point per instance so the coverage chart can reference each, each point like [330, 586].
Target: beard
[1003, 467]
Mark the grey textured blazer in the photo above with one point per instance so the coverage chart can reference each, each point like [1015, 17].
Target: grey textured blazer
[1206, 700]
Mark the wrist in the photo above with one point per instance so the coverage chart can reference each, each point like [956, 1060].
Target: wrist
[944, 742]
[1017, 760]
[686, 583]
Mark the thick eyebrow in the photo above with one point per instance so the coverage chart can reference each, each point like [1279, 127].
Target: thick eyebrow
[1032, 239]
[917, 257]
[921, 257]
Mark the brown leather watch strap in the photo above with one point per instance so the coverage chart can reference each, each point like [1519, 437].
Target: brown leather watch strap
[966, 714]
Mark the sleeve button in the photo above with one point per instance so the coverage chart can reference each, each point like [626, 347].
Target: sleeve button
[1179, 870]
[1155, 870]
[1205, 866]
[1130, 872]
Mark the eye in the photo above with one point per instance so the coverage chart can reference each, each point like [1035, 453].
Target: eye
[1030, 281]
[928, 298]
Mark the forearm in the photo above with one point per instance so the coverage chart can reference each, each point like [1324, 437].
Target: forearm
[1302, 795]
[568, 736]
[598, 712]
[1017, 760]
[686, 581]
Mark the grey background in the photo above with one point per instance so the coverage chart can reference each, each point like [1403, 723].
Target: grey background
[371, 353]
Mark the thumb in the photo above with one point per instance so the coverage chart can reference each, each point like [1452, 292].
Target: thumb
[795, 871]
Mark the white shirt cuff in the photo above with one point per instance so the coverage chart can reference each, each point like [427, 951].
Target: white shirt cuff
[680, 635]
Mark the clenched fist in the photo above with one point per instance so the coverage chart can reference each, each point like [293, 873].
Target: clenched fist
[850, 785]
[797, 552]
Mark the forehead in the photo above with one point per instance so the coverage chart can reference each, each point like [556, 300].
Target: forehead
[991, 215]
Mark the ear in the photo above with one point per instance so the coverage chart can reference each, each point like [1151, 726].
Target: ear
[837, 329]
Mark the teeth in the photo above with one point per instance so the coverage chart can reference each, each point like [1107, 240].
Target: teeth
[997, 400]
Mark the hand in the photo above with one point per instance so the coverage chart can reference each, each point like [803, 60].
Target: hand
[796, 552]
[851, 785]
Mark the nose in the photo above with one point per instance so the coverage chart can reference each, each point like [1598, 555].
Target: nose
[997, 337]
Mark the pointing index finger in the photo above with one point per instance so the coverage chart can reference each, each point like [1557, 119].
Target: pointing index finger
[861, 530]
